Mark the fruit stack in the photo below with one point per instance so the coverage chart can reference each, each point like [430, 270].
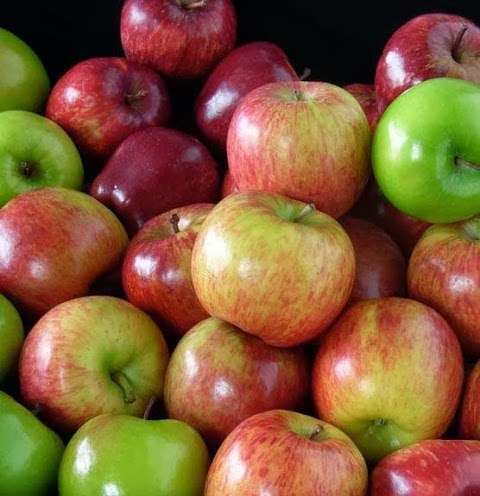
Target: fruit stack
[315, 332]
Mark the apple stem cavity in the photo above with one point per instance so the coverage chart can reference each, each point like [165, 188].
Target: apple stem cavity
[456, 45]
[307, 72]
[305, 212]
[149, 408]
[192, 4]
[125, 385]
[175, 221]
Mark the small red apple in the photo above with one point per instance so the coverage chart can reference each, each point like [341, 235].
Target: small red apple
[470, 416]
[367, 98]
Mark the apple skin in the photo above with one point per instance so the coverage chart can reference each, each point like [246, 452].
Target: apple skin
[119, 454]
[470, 414]
[246, 68]
[285, 453]
[430, 468]
[280, 140]
[101, 101]
[429, 168]
[156, 274]
[228, 185]
[389, 374]
[215, 365]
[11, 336]
[30, 452]
[428, 46]
[367, 98]
[179, 38]
[24, 83]
[45, 157]
[154, 171]
[91, 356]
[381, 267]
[444, 273]
[61, 241]
[273, 267]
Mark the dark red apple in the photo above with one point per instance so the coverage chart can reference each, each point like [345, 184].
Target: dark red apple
[179, 38]
[243, 70]
[367, 98]
[228, 185]
[470, 416]
[154, 171]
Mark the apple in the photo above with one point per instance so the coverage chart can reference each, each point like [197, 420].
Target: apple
[389, 374]
[381, 267]
[157, 268]
[430, 468]
[24, 83]
[91, 356]
[54, 244]
[30, 452]
[367, 98]
[273, 267]
[101, 101]
[425, 162]
[309, 141]
[228, 185]
[246, 68]
[286, 453]
[179, 38]
[428, 46]
[46, 156]
[444, 273]
[11, 337]
[470, 413]
[120, 454]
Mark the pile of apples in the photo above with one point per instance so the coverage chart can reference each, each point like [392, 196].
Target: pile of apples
[314, 332]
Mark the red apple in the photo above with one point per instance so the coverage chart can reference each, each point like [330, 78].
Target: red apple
[54, 243]
[286, 453]
[308, 141]
[219, 376]
[157, 268]
[470, 415]
[367, 98]
[154, 171]
[389, 373]
[101, 101]
[246, 68]
[381, 266]
[430, 468]
[429, 46]
[228, 185]
[180, 38]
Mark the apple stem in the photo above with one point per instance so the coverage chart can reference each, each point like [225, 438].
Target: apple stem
[192, 4]
[471, 229]
[125, 385]
[149, 408]
[461, 162]
[307, 72]
[306, 211]
[316, 432]
[458, 42]
[175, 221]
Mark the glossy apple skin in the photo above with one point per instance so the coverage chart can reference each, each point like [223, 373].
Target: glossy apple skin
[444, 273]
[246, 68]
[381, 267]
[154, 171]
[389, 374]
[430, 167]
[470, 415]
[308, 141]
[423, 48]
[156, 274]
[273, 267]
[61, 241]
[11, 336]
[215, 366]
[101, 101]
[119, 454]
[70, 358]
[285, 453]
[179, 38]
[228, 185]
[430, 468]
[367, 98]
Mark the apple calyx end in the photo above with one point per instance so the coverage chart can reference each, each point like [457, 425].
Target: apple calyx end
[27, 169]
[122, 381]
[456, 45]
[192, 4]
[175, 221]
[132, 98]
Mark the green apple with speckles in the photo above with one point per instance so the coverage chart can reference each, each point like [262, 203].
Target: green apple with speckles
[426, 151]
[11, 336]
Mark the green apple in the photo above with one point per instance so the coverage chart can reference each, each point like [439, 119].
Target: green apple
[24, 83]
[35, 153]
[11, 336]
[122, 455]
[30, 452]
[426, 151]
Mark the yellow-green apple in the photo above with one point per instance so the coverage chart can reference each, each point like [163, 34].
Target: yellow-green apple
[24, 83]
[215, 366]
[273, 267]
[11, 336]
[470, 414]
[444, 273]
[381, 266]
[430, 468]
[367, 98]
[286, 453]
[54, 244]
[101, 101]
[228, 185]
[45, 156]
[156, 272]
[180, 38]
[117, 455]
[389, 373]
[91, 356]
[428, 46]
[309, 141]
